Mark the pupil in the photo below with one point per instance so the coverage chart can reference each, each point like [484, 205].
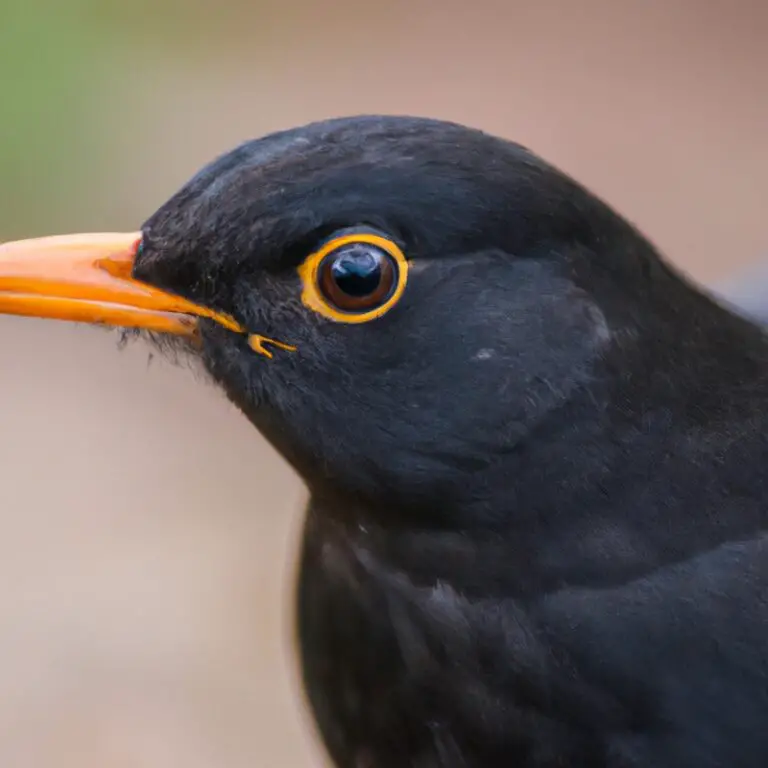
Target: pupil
[357, 272]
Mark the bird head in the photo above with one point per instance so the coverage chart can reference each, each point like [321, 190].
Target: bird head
[395, 303]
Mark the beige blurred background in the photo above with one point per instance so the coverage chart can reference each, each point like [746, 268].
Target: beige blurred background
[147, 534]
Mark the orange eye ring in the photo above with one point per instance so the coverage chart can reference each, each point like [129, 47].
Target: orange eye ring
[320, 274]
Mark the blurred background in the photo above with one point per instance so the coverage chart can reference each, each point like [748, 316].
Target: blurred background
[147, 533]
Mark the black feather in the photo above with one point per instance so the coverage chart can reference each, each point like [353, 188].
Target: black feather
[538, 488]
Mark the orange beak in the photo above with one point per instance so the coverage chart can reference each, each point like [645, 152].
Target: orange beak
[87, 279]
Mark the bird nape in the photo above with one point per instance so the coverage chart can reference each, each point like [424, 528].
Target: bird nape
[534, 452]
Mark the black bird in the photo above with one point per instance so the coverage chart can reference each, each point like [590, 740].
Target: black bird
[536, 534]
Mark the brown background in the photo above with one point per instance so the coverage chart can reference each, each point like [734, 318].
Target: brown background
[147, 533]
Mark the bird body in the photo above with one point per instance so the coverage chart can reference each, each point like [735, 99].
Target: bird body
[625, 627]
[535, 453]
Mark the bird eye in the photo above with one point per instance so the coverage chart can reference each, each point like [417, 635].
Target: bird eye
[357, 277]
[354, 278]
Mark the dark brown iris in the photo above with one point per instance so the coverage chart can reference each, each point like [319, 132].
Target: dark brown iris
[357, 277]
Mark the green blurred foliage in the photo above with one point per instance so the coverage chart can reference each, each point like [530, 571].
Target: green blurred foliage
[45, 55]
[56, 63]
[51, 66]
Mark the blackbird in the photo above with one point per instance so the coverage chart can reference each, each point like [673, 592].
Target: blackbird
[534, 451]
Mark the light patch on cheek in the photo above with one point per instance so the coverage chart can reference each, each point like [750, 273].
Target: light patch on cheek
[601, 331]
[588, 316]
